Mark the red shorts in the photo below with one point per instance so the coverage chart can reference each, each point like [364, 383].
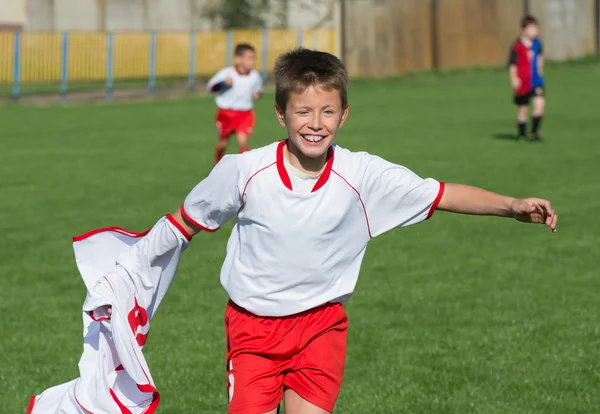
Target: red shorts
[304, 352]
[230, 121]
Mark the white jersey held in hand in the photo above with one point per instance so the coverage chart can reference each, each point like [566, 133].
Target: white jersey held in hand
[238, 97]
[130, 272]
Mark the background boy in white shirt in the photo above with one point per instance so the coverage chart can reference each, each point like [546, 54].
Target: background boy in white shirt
[236, 88]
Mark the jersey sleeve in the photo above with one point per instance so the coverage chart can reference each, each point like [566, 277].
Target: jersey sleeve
[258, 85]
[394, 196]
[217, 78]
[217, 198]
[512, 58]
[540, 47]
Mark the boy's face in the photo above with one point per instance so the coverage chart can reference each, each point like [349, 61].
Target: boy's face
[246, 61]
[312, 119]
[531, 31]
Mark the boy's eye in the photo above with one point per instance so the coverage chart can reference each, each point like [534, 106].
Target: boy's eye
[329, 112]
[302, 113]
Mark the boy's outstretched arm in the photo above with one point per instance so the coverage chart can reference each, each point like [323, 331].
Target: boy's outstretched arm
[465, 199]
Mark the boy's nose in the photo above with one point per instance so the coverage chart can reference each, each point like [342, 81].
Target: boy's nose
[315, 123]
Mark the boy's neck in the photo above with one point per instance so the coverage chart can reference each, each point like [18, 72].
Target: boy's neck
[526, 40]
[241, 70]
[312, 166]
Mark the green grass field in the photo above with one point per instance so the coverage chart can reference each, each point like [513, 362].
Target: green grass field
[457, 315]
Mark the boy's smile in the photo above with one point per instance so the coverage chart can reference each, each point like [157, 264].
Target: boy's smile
[312, 118]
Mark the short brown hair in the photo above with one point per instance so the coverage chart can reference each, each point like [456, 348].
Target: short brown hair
[527, 20]
[300, 68]
[242, 48]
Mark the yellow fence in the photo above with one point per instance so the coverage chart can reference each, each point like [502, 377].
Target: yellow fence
[41, 54]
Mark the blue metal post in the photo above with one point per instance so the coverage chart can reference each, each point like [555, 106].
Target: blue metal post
[300, 38]
[152, 65]
[229, 47]
[64, 67]
[265, 54]
[109, 65]
[16, 89]
[192, 62]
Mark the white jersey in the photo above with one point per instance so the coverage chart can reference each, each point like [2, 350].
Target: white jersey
[239, 96]
[291, 251]
[130, 272]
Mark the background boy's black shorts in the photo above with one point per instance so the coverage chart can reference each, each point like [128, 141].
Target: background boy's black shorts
[524, 99]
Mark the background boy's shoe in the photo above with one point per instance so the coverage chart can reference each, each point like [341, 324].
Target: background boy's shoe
[535, 138]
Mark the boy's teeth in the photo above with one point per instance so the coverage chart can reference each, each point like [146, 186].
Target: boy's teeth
[313, 138]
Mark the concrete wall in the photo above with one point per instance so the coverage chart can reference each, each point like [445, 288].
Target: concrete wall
[311, 13]
[125, 16]
[13, 13]
[60, 15]
[159, 15]
[40, 16]
[79, 15]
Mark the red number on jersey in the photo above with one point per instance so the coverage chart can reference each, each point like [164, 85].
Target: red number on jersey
[138, 320]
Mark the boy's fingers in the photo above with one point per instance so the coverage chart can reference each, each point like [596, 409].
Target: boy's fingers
[548, 207]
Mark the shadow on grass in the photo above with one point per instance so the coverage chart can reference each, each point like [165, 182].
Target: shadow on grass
[505, 136]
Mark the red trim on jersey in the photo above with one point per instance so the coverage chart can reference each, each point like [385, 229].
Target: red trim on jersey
[437, 200]
[109, 284]
[195, 223]
[119, 368]
[150, 409]
[283, 174]
[100, 319]
[240, 73]
[251, 177]
[148, 388]
[179, 227]
[115, 229]
[123, 408]
[285, 178]
[77, 401]
[359, 199]
[153, 405]
[31, 404]
[326, 172]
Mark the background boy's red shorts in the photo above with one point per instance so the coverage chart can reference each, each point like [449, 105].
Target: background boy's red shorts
[230, 121]
[304, 352]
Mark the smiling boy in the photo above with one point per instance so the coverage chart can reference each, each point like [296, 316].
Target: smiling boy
[306, 210]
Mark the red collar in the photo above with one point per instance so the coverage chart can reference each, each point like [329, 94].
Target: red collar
[240, 73]
[285, 178]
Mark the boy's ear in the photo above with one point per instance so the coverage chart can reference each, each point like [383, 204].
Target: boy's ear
[280, 115]
[344, 116]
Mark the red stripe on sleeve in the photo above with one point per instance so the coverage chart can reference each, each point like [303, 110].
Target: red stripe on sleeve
[195, 223]
[113, 229]
[31, 404]
[179, 227]
[437, 200]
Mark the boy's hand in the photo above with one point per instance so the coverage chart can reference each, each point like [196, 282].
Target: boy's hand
[534, 210]
[256, 96]
[229, 81]
[516, 83]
